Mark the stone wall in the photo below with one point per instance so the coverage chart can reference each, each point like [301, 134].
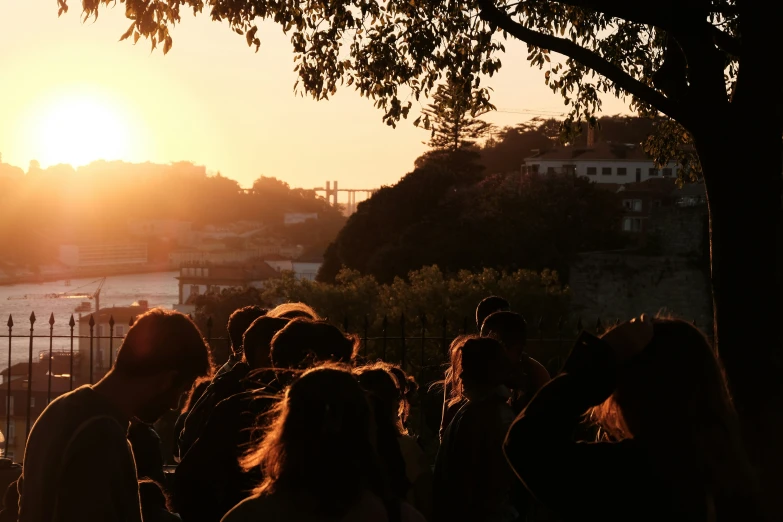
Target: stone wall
[620, 285]
[680, 231]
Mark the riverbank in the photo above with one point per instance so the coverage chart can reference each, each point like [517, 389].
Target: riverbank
[51, 275]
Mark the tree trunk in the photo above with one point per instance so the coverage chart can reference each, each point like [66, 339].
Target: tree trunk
[742, 165]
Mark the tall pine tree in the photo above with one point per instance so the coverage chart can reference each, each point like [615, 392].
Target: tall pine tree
[453, 117]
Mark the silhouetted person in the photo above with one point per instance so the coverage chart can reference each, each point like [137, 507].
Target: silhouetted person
[154, 503]
[529, 375]
[78, 464]
[147, 451]
[10, 512]
[209, 480]
[196, 391]
[488, 306]
[304, 343]
[657, 389]
[452, 400]
[473, 481]
[226, 381]
[318, 459]
[407, 466]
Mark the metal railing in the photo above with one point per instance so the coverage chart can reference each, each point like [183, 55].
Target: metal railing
[418, 346]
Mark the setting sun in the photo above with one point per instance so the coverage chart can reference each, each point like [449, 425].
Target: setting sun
[78, 129]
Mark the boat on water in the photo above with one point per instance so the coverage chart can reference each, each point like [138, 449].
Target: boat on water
[85, 306]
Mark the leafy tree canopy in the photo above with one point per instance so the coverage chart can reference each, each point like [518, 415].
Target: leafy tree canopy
[468, 221]
[453, 117]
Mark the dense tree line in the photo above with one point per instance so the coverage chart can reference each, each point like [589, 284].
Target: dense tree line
[453, 212]
[48, 207]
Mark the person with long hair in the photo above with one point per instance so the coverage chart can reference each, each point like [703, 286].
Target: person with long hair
[672, 448]
[405, 462]
[318, 458]
[472, 479]
[452, 398]
[209, 480]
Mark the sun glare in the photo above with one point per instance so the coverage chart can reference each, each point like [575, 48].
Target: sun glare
[80, 129]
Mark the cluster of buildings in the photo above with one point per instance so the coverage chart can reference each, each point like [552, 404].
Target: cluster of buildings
[626, 170]
[168, 244]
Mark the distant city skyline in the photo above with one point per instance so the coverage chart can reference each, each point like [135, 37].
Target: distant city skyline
[211, 100]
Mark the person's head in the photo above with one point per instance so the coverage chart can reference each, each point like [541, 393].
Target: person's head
[239, 322]
[303, 343]
[162, 355]
[455, 377]
[377, 380]
[319, 441]
[257, 340]
[488, 306]
[483, 364]
[673, 395]
[510, 329]
[152, 498]
[293, 311]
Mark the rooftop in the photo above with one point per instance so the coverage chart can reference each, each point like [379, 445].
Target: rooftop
[599, 151]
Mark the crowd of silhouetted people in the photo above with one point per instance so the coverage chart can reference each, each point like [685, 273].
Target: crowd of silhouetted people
[638, 425]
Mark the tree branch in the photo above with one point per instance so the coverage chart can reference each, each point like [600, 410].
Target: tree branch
[726, 42]
[648, 13]
[494, 16]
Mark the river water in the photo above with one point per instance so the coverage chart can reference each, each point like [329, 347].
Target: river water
[159, 289]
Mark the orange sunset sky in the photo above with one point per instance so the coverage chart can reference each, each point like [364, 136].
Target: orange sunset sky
[71, 93]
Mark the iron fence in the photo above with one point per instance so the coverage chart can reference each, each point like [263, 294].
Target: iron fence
[418, 346]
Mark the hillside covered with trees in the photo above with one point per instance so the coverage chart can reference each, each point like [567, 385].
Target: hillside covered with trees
[43, 208]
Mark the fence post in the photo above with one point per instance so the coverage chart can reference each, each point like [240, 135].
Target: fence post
[560, 336]
[421, 367]
[385, 325]
[71, 323]
[443, 341]
[111, 341]
[49, 383]
[92, 337]
[8, 398]
[402, 336]
[366, 327]
[30, 377]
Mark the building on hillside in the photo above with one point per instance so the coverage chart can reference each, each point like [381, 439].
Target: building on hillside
[168, 230]
[279, 263]
[181, 258]
[602, 162]
[103, 255]
[639, 199]
[304, 268]
[102, 348]
[307, 269]
[293, 218]
[200, 279]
